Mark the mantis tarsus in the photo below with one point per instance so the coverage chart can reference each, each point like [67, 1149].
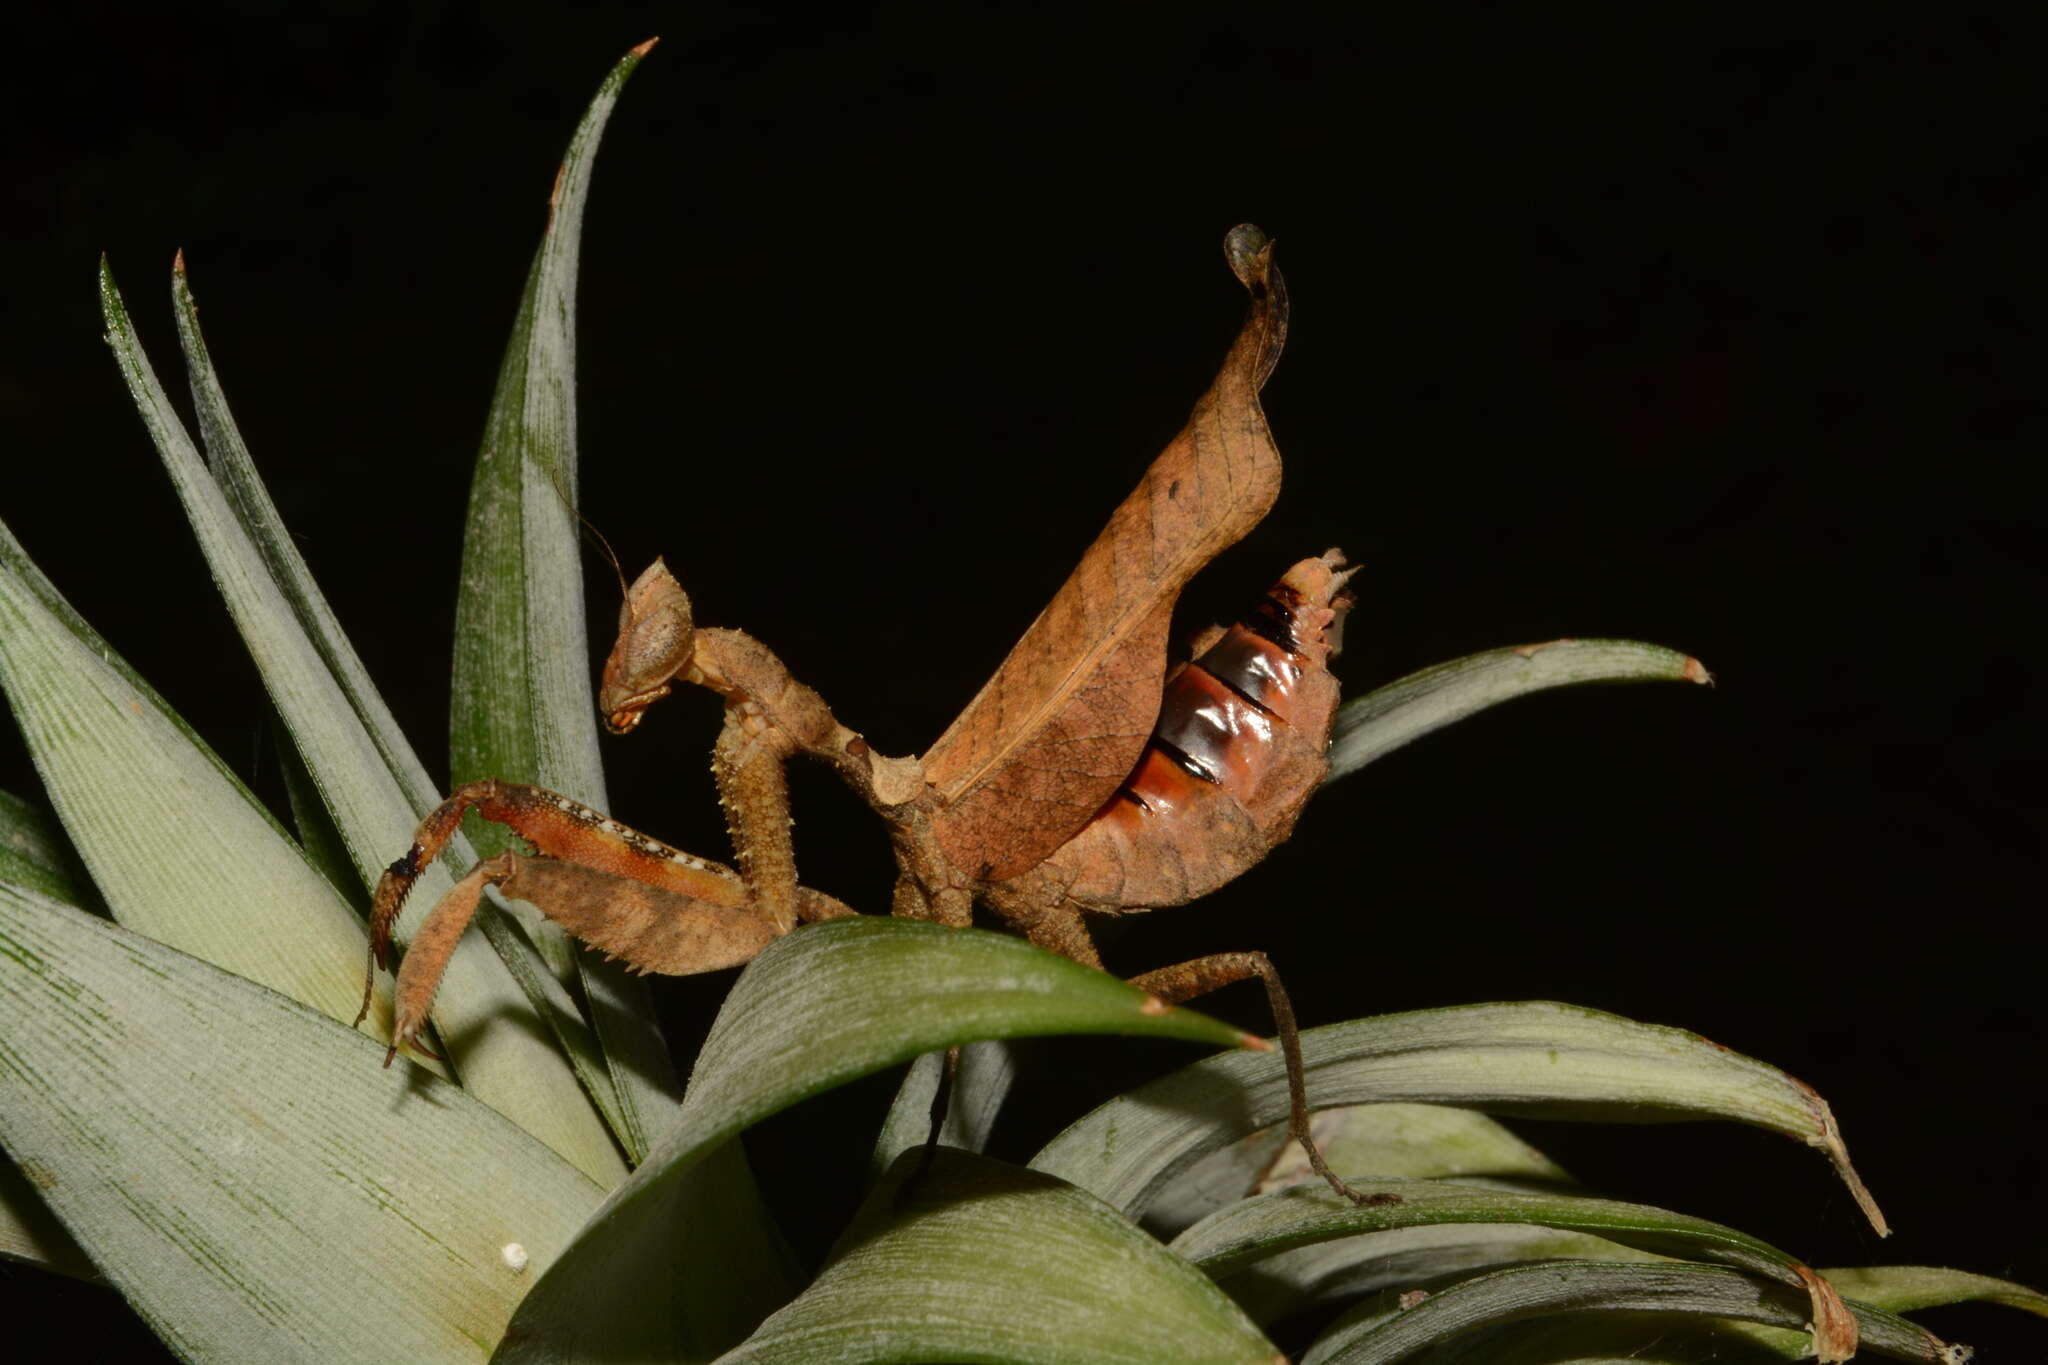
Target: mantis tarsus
[1084, 778]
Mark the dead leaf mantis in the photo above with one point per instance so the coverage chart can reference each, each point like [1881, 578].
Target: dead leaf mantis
[1084, 778]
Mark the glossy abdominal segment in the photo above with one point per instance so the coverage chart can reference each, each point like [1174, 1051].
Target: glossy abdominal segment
[1238, 748]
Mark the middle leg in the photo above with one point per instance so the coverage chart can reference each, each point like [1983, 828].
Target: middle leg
[1178, 984]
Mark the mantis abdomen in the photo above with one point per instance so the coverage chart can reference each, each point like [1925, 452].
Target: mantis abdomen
[1238, 749]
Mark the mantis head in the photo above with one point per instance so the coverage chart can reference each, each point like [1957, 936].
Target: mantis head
[656, 637]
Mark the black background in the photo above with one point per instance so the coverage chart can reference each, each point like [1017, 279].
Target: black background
[1604, 325]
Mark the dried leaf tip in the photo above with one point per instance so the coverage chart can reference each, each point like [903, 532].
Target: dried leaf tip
[1829, 1141]
[1696, 672]
[178, 262]
[643, 49]
[1249, 251]
[1835, 1332]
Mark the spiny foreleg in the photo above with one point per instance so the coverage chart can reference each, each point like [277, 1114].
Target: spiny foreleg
[653, 929]
[567, 833]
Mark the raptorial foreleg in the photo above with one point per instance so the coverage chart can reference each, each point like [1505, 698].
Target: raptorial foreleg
[568, 834]
[653, 929]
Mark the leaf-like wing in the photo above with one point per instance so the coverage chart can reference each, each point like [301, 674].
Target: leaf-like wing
[1048, 739]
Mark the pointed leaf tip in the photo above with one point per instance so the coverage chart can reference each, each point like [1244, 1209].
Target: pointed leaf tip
[1397, 713]
[1829, 1142]
[178, 262]
[643, 49]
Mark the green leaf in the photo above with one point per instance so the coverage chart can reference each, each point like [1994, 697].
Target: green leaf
[1390, 1141]
[1381, 721]
[982, 1261]
[1254, 1229]
[31, 1234]
[233, 472]
[34, 857]
[245, 1172]
[324, 847]
[32, 582]
[485, 1012]
[1619, 1337]
[1539, 1058]
[985, 1073]
[829, 1003]
[175, 844]
[1908, 1288]
[1420, 1142]
[229, 462]
[1386, 1329]
[523, 708]
[1327, 1274]
[35, 854]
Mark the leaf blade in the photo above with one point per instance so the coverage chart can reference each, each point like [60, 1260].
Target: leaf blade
[986, 1072]
[175, 844]
[487, 1014]
[1374, 725]
[34, 853]
[1538, 1058]
[31, 1234]
[1248, 1232]
[1034, 1271]
[522, 706]
[1407, 1141]
[1908, 1288]
[243, 1170]
[1385, 1330]
[820, 1007]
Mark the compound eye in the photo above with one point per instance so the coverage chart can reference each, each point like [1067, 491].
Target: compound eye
[656, 636]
